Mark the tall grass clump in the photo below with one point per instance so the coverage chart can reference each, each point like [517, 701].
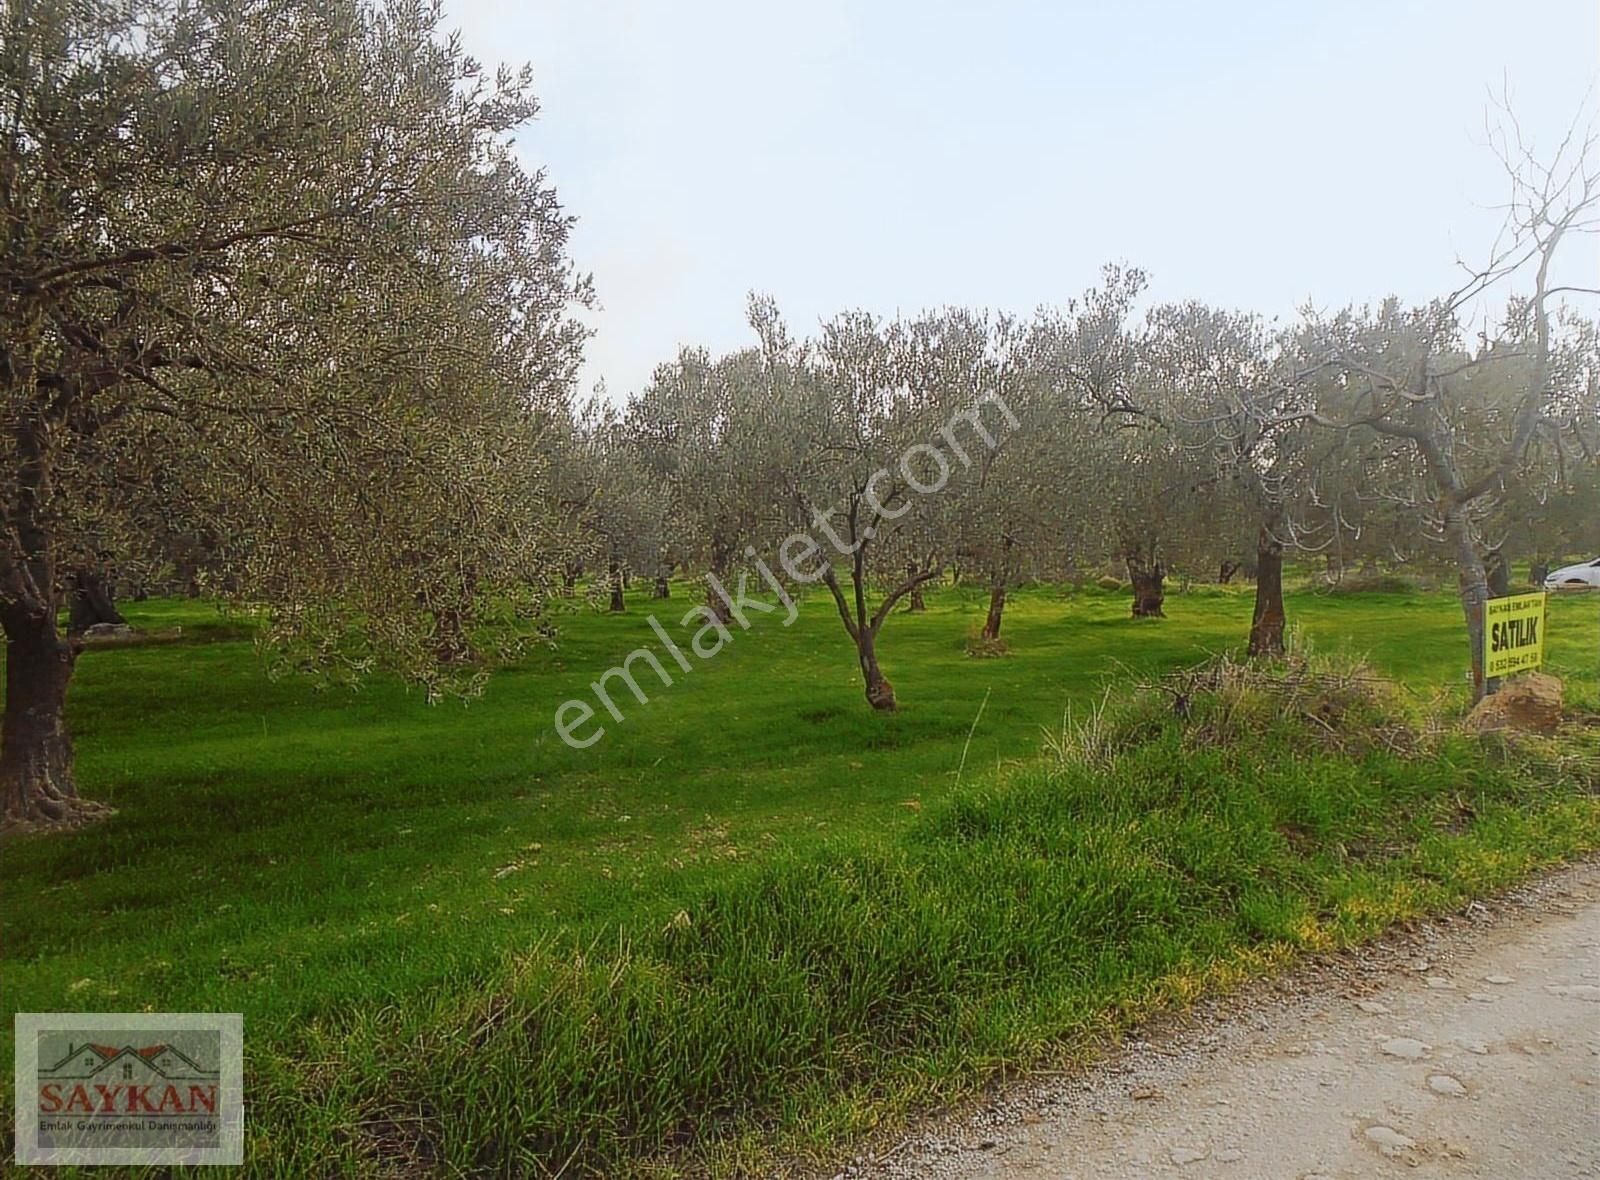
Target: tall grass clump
[1183, 835]
[1338, 703]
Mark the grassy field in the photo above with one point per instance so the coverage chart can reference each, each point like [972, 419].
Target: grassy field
[430, 916]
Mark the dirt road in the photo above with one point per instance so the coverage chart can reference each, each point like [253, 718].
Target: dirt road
[1469, 1048]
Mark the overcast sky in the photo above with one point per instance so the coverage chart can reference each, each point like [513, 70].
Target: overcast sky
[900, 154]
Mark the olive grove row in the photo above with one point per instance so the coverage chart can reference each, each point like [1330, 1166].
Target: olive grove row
[1177, 437]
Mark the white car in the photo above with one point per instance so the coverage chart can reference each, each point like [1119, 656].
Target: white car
[1583, 576]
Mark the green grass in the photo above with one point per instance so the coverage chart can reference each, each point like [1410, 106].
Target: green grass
[755, 912]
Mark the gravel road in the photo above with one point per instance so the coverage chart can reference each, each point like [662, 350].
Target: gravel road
[1469, 1046]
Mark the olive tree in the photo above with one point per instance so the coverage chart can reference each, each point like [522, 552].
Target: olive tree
[1002, 518]
[280, 253]
[1467, 410]
[1221, 389]
[892, 415]
[1132, 482]
[1547, 514]
[703, 429]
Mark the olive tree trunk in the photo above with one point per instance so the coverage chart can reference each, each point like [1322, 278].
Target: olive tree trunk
[997, 607]
[1267, 621]
[721, 559]
[1149, 580]
[880, 693]
[617, 603]
[36, 779]
[915, 605]
[863, 628]
[1473, 583]
[93, 602]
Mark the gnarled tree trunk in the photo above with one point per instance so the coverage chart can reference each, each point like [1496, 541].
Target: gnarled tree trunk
[880, 693]
[617, 604]
[715, 603]
[721, 558]
[93, 602]
[36, 779]
[663, 586]
[36, 772]
[863, 631]
[915, 605]
[1149, 578]
[1267, 621]
[997, 606]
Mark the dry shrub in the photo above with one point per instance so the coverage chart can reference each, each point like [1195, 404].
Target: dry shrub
[1327, 703]
[1088, 739]
[1342, 704]
[980, 648]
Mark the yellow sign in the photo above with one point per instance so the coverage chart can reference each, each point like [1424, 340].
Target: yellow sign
[1513, 634]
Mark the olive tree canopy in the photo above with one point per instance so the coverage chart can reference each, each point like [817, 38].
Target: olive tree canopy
[277, 256]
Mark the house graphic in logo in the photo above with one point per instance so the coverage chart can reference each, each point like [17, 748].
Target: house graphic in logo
[125, 1063]
[127, 1081]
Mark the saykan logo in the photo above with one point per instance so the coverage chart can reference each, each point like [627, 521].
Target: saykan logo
[125, 1081]
[129, 1088]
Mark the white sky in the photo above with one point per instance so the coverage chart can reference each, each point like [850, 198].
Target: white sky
[897, 154]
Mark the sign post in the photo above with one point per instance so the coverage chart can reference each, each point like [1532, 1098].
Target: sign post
[1513, 634]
